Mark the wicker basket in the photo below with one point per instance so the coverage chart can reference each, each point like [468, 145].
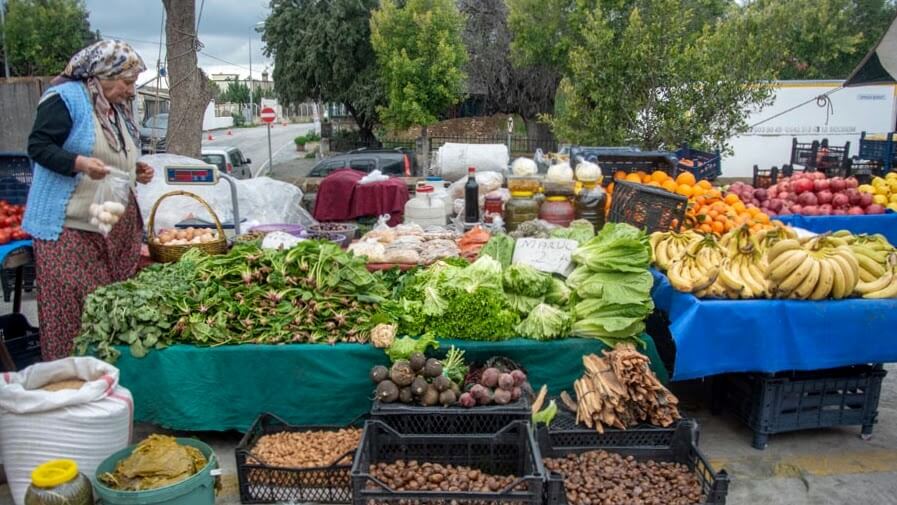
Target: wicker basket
[170, 253]
[646, 207]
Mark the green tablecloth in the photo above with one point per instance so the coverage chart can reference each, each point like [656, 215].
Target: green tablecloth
[223, 388]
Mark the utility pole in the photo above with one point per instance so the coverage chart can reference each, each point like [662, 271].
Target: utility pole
[3, 38]
[251, 103]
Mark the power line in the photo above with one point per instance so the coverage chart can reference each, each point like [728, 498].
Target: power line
[199, 17]
[222, 60]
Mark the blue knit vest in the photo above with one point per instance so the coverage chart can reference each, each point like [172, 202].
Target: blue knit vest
[51, 191]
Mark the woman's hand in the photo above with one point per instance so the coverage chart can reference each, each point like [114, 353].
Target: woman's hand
[144, 173]
[91, 167]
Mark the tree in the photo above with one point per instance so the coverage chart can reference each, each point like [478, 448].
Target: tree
[421, 56]
[322, 51]
[528, 90]
[190, 88]
[236, 92]
[826, 39]
[42, 35]
[633, 77]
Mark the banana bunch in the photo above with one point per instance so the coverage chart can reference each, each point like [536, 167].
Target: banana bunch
[697, 269]
[768, 237]
[667, 247]
[884, 286]
[742, 271]
[824, 267]
[872, 252]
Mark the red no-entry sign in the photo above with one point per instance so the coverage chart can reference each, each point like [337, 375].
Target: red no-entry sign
[268, 115]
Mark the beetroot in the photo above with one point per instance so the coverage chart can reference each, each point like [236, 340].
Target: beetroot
[875, 209]
[824, 197]
[837, 184]
[821, 185]
[515, 394]
[865, 200]
[807, 198]
[840, 201]
[467, 400]
[855, 211]
[490, 377]
[501, 397]
[506, 381]
[825, 210]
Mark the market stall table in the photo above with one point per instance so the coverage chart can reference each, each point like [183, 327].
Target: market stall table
[223, 388]
[886, 224]
[722, 336]
[341, 197]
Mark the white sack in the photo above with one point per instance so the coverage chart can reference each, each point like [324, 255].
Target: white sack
[453, 160]
[86, 425]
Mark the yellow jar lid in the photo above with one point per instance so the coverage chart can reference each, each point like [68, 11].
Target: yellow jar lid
[556, 198]
[522, 194]
[54, 473]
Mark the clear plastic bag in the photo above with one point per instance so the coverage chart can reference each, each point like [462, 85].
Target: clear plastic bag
[110, 200]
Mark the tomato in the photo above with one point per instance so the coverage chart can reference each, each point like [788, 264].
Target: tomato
[19, 234]
[4, 236]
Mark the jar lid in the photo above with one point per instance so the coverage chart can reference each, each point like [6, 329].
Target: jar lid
[493, 197]
[54, 473]
[522, 194]
[556, 198]
[425, 189]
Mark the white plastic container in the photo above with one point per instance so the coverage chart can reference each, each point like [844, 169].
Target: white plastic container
[426, 208]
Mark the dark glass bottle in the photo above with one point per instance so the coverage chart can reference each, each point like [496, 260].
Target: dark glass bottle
[471, 198]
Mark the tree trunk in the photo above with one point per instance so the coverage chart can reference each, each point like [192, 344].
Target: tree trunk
[189, 89]
[540, 135]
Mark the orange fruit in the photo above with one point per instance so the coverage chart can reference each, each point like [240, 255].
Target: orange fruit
[619, 174]
[739, 207]
[646, 178]
[686, 178]
[762, 217]
[684, 190]
[633, 178]
[659, 176]
[697, 191]
[653, 183]
[704, 183]
[670, 185]
[717, 227]
[714, 194]
[706, 228]
[732, 199]
[610, 188]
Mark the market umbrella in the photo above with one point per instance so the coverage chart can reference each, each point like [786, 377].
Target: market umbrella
[880, 65]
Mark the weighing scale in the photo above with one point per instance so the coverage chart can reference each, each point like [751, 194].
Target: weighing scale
[203, 175]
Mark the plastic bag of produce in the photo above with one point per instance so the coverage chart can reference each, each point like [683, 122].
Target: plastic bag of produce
[487, 181]
[452, 160]
[110, 200]
[40, 423]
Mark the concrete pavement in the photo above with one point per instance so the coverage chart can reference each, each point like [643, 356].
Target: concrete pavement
[253, 142]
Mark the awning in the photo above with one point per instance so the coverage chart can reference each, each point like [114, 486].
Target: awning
[880, 65]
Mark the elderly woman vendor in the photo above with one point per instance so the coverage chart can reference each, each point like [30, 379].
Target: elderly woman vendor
[84, 127]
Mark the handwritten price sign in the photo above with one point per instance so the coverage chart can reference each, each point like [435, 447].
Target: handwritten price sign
[552, 255]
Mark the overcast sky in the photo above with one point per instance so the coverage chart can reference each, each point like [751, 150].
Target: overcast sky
[224, 29]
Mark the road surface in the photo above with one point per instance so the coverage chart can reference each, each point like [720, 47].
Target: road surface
[254, 143]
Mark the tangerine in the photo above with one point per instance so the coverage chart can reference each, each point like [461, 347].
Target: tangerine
[659, 176]
[718, 227]
[704, 183]
[684, 190]
[633, 178]
[670, 185]
[619, 174]
[732, 199]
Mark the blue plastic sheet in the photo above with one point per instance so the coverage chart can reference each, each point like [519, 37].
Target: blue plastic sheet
[886, 224]
[722, 336]
[5, 249]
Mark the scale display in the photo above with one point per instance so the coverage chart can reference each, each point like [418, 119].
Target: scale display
[191, 174]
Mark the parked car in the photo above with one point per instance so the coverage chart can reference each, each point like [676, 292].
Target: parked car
[396, 162]
[229, 160]
[154, 132]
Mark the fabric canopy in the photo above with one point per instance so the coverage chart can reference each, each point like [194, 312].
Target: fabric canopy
[880, 65]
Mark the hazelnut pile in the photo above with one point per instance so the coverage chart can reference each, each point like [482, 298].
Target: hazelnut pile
[304, 449]
[602, 478]
[413, 476]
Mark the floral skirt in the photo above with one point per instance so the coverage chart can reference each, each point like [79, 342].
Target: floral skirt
[71, 267]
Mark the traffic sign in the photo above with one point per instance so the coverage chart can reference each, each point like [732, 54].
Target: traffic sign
[268, 115]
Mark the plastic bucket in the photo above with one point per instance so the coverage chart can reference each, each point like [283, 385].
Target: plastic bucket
[197, 490]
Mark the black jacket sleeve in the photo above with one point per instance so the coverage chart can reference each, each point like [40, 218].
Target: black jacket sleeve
[51, 129]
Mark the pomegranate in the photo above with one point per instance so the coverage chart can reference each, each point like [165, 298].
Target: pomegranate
[840, 201]
[784, 187]
[837, 184]
[810, 210]
[875, 209]
[796, 208]
[807, 198]
[865, 200]
[855, 211]
[790, 197]
[824, 197]
[839, 212]
[854, 196]
[802, 186]
[775, 204]
[821, 185]
[852, 182]
[825, 210]
[785, 212]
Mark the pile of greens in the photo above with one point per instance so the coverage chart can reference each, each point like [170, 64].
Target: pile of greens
[612, 284]
[579, 230]
[454, 302]
[314, 293]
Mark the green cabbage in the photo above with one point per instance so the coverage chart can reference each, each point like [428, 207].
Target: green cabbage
[544, 323]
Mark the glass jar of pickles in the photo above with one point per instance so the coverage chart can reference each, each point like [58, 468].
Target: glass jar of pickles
[520, 209]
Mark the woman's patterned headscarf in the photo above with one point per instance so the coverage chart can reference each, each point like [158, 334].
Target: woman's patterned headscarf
[106, 60]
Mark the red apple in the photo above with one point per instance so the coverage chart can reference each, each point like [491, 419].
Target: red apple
[840, 201]
[875, 209]
[855, 211]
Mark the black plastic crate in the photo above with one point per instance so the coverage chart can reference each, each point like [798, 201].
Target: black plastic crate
[676, 444]
[261, 483]
[15, 177]
[764, 178]
[411, 419]
[864, 170]
[791, 401]
[509, 451]
[879, 149]
[646, 207]
[612, 161]
[819, 155]
[704, 165]
[22, 340]
[592, 153]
